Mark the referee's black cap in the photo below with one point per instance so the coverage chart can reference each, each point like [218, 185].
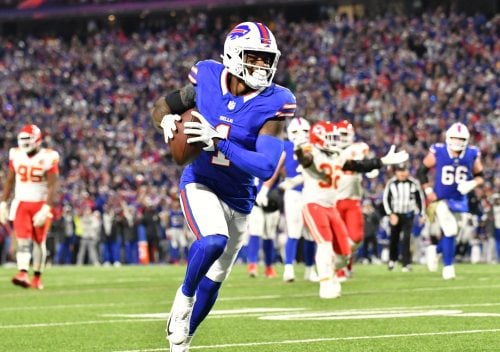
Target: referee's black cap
[401, 166]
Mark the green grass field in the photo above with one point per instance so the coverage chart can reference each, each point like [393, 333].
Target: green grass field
[125, 309]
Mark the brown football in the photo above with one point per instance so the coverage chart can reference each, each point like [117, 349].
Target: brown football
[183, 152]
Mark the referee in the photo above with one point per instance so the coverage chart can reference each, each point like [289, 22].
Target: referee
[402, 198]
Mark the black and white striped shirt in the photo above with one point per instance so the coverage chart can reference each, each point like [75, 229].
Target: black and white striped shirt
[403, 197]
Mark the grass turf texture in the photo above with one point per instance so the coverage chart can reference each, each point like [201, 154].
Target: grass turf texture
[124, 309]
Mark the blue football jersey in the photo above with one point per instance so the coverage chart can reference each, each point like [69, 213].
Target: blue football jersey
[240, 118]
[176, 219]
[291, 163]
[450, 171]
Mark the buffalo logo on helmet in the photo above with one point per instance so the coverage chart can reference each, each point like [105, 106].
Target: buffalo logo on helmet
[239, 31]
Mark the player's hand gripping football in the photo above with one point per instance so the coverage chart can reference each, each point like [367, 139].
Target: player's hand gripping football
[41, 216]
[168, 125]
[392, 157]
[4, 212]
[202, 131]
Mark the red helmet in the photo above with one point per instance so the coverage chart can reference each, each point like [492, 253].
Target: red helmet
[29, 138]
[321, 135]
[345, 133]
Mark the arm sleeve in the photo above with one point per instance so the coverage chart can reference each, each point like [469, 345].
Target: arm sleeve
[422, 175]
[365, 165]
[387, 198]
[262, 163]
[419, 198]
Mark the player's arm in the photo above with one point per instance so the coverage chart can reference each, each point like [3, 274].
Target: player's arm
[8, 185]
[52, 186]
[262, 197]
[477, 180]
[364, 165]
[262, 162]
[428, 163]
[304, 156]
[175, 102]
[7, 189]
[477, 172]
[367, 165]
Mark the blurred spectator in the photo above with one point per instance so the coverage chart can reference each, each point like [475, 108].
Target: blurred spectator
[65, 237]
[90, 223]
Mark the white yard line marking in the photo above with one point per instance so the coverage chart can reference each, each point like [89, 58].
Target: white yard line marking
[71, 306]
[361, 315]
[331, 339]
[218, 313]
[69, 323]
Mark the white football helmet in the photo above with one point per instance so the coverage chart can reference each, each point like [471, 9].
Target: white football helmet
[457, 137]
[251, 37]
[29, 138]
[344, 134]
[298, 130]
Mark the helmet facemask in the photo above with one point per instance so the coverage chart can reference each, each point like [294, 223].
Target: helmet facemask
[29, 138]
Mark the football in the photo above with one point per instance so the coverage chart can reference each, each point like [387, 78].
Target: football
[183, 152]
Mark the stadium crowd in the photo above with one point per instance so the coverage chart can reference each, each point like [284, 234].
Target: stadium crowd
[399, 80]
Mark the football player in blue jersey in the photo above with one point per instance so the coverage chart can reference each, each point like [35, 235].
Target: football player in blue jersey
[297, 133]
[241, 113]
[263, 223]
[458, 170]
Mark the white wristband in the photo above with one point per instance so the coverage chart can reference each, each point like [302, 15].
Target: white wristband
[428, 190]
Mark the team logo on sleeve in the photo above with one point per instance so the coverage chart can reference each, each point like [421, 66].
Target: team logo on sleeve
[239, 31]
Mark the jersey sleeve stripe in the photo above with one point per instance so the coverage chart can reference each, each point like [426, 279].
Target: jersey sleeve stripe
[193, 75]
[287, 110]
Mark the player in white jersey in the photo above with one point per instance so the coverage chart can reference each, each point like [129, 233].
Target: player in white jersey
[321, 217]
[34, 171]
[350, 191]
[322, 168]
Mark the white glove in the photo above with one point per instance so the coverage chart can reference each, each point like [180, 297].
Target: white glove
[168, 125]
[261, 198]
[372, 174]
[41, 216]
[4, 213]
[203, 132]
[466, 186]
[394, 158]
[291, 182]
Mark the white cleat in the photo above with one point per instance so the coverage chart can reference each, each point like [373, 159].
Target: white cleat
[183, 347]
[178, 321]
[329, 289]
[432, 258]
[289, 273]
[449, 272]
[310, 274]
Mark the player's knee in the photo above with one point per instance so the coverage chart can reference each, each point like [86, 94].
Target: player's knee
[209, 286]
[214, 245]
[23, 246]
